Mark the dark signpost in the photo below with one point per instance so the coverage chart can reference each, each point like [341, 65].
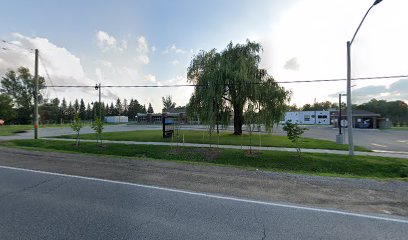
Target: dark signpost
[168, 125]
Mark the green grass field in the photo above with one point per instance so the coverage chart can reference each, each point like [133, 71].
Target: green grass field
[400, 128]
[316, 164]
[225, 138]
[8, 130]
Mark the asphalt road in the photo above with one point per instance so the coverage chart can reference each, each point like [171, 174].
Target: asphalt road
[36, 205]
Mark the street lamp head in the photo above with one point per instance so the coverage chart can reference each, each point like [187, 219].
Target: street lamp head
[377, 2]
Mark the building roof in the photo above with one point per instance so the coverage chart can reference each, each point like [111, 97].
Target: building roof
[357, 113]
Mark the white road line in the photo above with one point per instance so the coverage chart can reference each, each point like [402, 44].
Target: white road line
[378, 145]
[215, 196]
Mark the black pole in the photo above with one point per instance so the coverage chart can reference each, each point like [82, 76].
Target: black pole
[339, 119]
[100, 107]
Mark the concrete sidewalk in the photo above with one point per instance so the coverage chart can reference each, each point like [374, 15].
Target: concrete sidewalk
[377, 154]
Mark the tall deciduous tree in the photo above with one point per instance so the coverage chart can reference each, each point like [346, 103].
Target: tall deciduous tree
[168, 103]
[19, 86]
[226, 81]
[7, 113]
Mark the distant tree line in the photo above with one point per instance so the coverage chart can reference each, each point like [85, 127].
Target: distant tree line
[17, 103]
[56, 110]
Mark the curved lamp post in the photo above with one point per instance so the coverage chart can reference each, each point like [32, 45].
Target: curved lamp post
[349, 111]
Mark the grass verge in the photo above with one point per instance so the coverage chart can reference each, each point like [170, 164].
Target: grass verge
[400, 128]
[224, 138]
[8, 130]
[311, 163]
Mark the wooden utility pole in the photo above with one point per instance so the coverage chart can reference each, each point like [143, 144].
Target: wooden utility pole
[36, 95]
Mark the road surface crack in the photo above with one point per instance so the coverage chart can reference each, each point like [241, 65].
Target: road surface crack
[263, 225]
[27, 188]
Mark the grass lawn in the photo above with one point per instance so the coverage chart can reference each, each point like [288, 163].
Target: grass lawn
[400, 128]
[225, 138]
[7, 130]
[311, 163]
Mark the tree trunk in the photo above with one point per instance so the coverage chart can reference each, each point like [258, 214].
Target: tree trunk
[238, 120]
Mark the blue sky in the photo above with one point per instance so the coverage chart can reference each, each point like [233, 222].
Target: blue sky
[152, 42]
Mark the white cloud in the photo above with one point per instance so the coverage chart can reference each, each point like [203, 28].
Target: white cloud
[292, 64]
[396, 91]
[175, 62]
[316, 32]
[142, 50]
[151, 78]
[174, 49]
[154, 48]
[105, 41]
[62, 66]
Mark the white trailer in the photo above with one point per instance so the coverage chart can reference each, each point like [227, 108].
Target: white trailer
[116, 119]
[309, 117]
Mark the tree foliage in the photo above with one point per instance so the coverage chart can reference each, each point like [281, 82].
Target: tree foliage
[397, 111]
[6, 108]
[294, 133]
[226, 81]
[19, 86]
[76, 126]
[97, 125]
[150, 109]
[168, 103]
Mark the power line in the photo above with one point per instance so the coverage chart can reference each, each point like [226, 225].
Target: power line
[30, 50]
[46, 72]
[202, 85]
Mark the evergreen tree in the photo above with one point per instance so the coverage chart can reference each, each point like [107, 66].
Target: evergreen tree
[82, 110]
[76, 106]
[125, 107]
[63, 110]
[118, 107]
[150, 109]
[70, 112]
[89, 113]
[112, 110]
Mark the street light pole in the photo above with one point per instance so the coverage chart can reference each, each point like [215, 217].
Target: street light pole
[36, 95]
[349, 105]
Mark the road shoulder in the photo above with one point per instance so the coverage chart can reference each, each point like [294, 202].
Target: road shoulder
[357, 195]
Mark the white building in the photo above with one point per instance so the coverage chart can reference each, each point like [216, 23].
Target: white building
[309, 117]
[116, 119]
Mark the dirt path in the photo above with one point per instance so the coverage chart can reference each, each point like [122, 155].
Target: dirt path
[357, 195]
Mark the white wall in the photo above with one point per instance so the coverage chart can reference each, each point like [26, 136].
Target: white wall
[117, 119]
[308, 117]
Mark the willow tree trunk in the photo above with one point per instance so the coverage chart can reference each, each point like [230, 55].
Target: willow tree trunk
[238, 120]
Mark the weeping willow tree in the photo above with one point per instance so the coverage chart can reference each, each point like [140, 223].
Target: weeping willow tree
[227, 81]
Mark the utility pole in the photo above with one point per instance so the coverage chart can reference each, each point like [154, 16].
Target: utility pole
[339, 118]
[349, 106]
[100, 107]
[36, 95]
[315, 110]
[98, 87]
